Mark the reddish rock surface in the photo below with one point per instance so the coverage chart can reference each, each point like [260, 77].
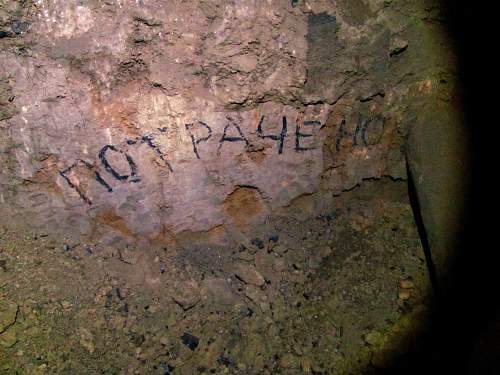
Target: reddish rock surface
[139, 117]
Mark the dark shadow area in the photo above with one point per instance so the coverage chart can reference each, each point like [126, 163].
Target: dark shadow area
[419, 222]
[463, 336]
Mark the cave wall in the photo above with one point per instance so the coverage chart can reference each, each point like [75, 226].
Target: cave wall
[142, 119]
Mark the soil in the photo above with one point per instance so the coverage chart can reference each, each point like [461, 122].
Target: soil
[343, 292]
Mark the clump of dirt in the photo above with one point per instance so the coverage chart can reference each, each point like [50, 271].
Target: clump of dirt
[339, 293]
[7, 108]
[244, 205]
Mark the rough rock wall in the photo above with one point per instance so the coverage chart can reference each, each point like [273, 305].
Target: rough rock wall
[218, 186]
[146, 119]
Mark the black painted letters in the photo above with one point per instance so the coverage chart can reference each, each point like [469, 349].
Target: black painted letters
[299, 135]
[226, 138]
[110, 169]
[280, 138]
[195, 141]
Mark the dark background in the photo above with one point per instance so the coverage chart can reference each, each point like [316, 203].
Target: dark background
[464, 334]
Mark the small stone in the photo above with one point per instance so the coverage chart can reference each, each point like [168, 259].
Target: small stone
[66, 305]
[249, 275]
[288, 361]
[244, 63]
[245, 255]
[297, 349]
[279, 249]
[137, 339]
[18, 27]
[190, 341]
[166, 369]
[129, 256]
[404, 295]
[406, 284]
[8, 339]
[265, 306]
[334, 332]
[8, 316]
[258, 242]
[398, 46]
[242, 366]
[306, 365]
[274, 238]
[374, 338]
[86, 339]
[225, 361]
[188, 295]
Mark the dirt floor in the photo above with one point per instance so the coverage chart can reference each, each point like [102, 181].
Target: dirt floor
[340, 293]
